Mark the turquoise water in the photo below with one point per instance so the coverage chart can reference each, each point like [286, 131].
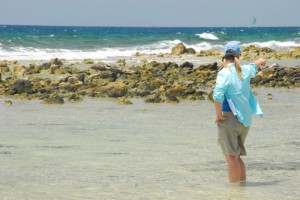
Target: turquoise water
[43, 42]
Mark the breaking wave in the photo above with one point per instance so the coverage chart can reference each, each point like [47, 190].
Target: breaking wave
[207, 36]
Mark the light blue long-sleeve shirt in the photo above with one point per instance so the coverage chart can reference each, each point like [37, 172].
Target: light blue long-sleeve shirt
[230, 86]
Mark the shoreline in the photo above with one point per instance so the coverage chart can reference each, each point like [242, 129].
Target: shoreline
[171, 78]
[180, 53]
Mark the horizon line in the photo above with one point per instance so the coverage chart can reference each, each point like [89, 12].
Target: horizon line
[108, 26]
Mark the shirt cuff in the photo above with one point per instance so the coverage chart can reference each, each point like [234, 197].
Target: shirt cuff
[254, 66]
[218, 98]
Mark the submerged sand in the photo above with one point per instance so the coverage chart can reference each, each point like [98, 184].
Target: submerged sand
[98, 149]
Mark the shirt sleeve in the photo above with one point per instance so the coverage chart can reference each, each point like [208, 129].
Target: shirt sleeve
[222, 84]
[253, 70]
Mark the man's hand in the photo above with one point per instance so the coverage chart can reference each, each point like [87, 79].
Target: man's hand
[220, 118]
[219, 115]
[261, 62]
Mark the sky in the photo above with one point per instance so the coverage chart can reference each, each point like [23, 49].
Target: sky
[149, 13]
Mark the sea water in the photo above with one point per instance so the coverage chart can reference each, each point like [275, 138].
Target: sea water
[98, 149]
[75, 43]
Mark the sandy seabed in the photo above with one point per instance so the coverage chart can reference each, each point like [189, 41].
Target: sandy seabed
[98, 149]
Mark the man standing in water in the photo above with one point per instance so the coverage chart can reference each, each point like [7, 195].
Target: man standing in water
[235, 104]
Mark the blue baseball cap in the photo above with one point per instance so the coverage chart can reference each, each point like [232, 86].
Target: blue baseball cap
[233, 46]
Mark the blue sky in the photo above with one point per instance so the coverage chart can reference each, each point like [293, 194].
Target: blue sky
[196, 13]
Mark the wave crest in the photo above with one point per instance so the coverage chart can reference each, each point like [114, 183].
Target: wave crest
[207, 36]
[275, 44]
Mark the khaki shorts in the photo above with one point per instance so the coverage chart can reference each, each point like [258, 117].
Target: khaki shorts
[232, 135]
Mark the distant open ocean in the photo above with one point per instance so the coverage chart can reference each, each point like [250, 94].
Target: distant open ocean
[76, 43]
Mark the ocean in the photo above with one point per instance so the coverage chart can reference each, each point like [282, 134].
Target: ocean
[77, 43]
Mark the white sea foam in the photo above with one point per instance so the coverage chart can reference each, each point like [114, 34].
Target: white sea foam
[30, 53]
[275, 44]
[166, 46]
[155, 48]
[205, 46]
[208, 36]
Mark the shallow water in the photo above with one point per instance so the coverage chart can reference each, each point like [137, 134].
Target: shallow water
[101, 150]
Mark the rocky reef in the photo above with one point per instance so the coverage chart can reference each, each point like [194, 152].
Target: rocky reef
[58, 81]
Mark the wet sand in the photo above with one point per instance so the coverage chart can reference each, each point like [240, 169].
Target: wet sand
[98, 149]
